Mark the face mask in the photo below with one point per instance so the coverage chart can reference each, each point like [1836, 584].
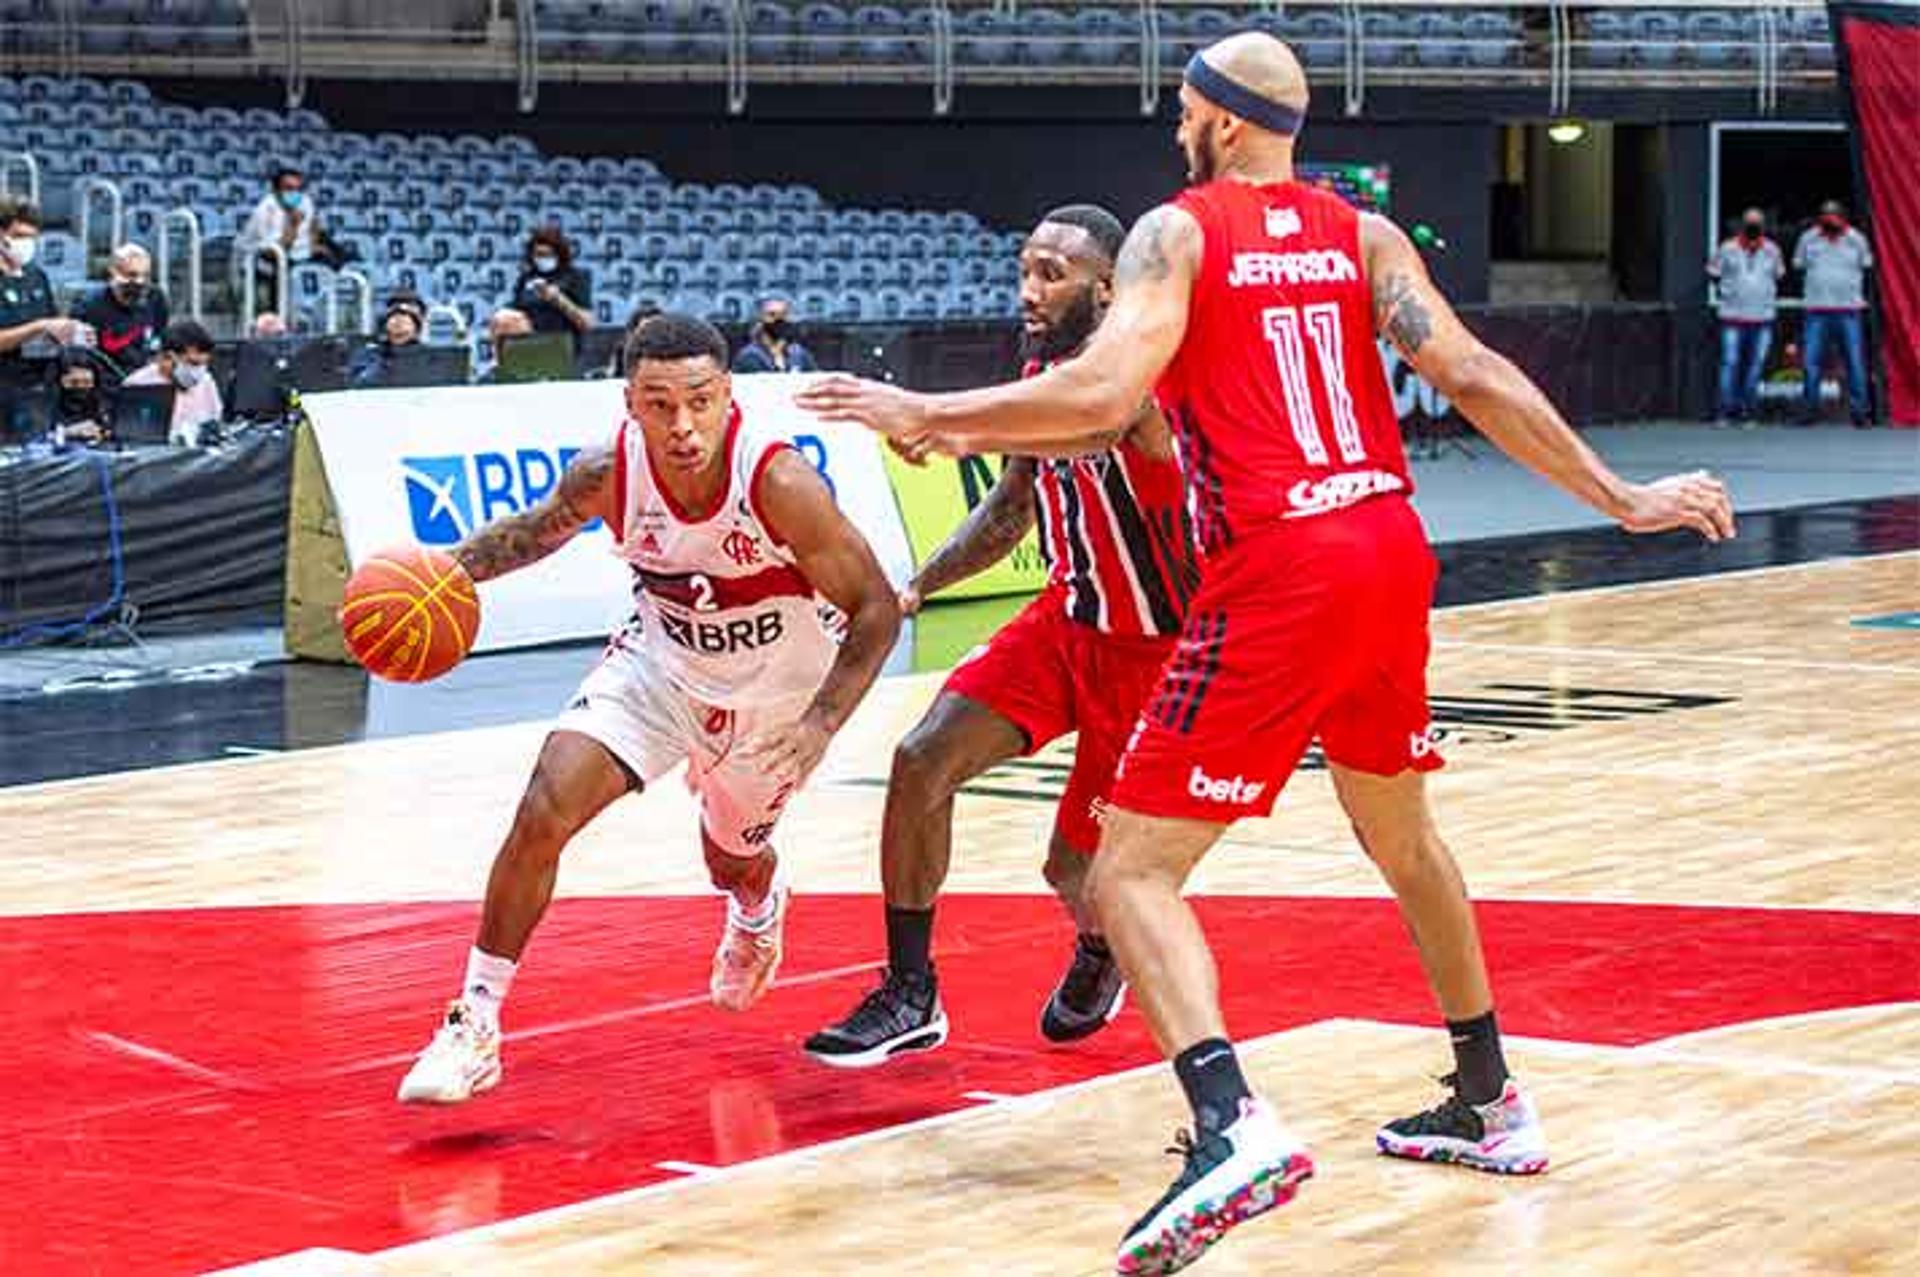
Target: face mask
[21, 249]
[289, 199]
[76, 404]
[1751, 230]
[187, 376]
[1832, 224]
[546, 263]
[130, 291]
[777, 329]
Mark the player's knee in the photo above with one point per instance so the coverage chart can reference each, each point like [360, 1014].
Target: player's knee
[1397, 849]
[922, 768]
[544, 822]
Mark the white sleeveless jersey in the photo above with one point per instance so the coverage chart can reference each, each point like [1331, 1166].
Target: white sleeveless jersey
[720, 602]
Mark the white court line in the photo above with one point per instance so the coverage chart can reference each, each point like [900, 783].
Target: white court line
[987, 1097]
[686, 1168]
[1660, 656]
[1507, 897]
[154, 1055]
[251, 751]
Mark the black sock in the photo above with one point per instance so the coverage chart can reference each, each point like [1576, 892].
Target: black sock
[910, 941]
[1095, 944]
[1209, 1073]
[1477, 1059]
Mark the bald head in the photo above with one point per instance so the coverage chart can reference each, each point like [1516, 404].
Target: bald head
[1263, 64]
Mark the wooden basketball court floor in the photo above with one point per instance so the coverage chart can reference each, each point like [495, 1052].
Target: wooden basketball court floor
[1689, 809]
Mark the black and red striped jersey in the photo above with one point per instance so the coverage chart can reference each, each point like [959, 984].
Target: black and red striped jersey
[1116, 537]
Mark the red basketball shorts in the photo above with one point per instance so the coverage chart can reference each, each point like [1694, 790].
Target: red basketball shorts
[1316, 627]
[1049, 676]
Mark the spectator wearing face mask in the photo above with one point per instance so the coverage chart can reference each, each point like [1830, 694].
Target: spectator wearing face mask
[1835, 259]
[32, 331]
[185, 362]
[129, 313]
[555, 295]
[285, 216]
[771, 346]
[1748, 269]
[405, 320]
[80, 415]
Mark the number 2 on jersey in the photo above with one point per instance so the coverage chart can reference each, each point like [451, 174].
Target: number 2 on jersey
[702, 593]
[1291, 329]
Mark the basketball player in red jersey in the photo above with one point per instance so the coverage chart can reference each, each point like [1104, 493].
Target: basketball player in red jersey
[1250, 304]
[731, 538]
[1082, 657]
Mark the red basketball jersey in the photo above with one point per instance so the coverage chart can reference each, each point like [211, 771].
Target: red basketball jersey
[1277, 395]
[1117, 540]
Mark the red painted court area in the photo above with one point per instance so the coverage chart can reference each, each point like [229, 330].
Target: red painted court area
[200, 1088]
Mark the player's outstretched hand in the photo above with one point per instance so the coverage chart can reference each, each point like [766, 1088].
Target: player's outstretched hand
[884, 409]
[1697, 500]
[792, 752]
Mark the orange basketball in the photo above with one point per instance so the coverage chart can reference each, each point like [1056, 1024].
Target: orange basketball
[410, 614]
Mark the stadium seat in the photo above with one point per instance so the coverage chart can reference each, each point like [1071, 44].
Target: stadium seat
[1720, 40]
[1655, 38]
[983, 38]
[821, 34]
[1441, 40]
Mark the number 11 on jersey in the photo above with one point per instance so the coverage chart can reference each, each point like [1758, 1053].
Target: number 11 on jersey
[1291, 330]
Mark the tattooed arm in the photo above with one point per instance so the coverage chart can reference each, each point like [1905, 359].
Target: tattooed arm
[987, 536]
[1075, 406]
[1508, 408]
[506, 545]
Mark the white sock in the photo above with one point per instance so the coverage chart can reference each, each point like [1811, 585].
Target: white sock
[760, 917]
[488, 979]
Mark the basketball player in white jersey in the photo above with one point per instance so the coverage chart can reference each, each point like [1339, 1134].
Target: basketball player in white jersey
[733, 538]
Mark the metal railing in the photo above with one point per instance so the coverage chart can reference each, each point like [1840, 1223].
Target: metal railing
[363, 288]
[83, 192]
[1555, 46]
[246, 261]
[23, 159]
[163, 257]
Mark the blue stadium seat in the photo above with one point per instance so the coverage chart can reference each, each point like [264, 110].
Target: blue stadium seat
[1320, 38]
[1655, 38]
[1720, 40]
[1105, 37]
[848, 307]
[1442, 41]
[821, 34]
[984, 38]
[770, 33]
[1046, 37]
[1492, 39]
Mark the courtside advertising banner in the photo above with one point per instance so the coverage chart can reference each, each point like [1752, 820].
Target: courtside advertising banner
[937, 497]
[430, 466]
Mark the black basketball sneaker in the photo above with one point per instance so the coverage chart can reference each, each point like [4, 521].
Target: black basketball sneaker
[1088, 996]
[901, 1016]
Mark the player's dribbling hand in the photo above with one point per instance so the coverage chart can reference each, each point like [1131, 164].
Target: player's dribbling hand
[791, 753]
[884, 409]
[1697, 501]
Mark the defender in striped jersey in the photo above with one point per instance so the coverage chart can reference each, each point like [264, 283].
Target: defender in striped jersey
[1081, 657]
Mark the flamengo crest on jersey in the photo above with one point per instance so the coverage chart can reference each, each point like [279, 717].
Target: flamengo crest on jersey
[1115, 534]
[1277, 396]
[720, 602]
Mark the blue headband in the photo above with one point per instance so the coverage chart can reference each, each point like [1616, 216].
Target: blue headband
[1230, 95]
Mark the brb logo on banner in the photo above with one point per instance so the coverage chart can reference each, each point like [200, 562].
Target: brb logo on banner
[448, 497]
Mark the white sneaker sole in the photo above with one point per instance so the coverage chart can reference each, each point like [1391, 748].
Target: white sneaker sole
[1522, 1160]
[1193, 1230]
[425, 1095]
[926, 1038]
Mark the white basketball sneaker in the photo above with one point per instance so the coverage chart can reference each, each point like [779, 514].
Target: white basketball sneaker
[748, 956]
[1229, 1178]
[462, 1060]
[1503, 1136]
